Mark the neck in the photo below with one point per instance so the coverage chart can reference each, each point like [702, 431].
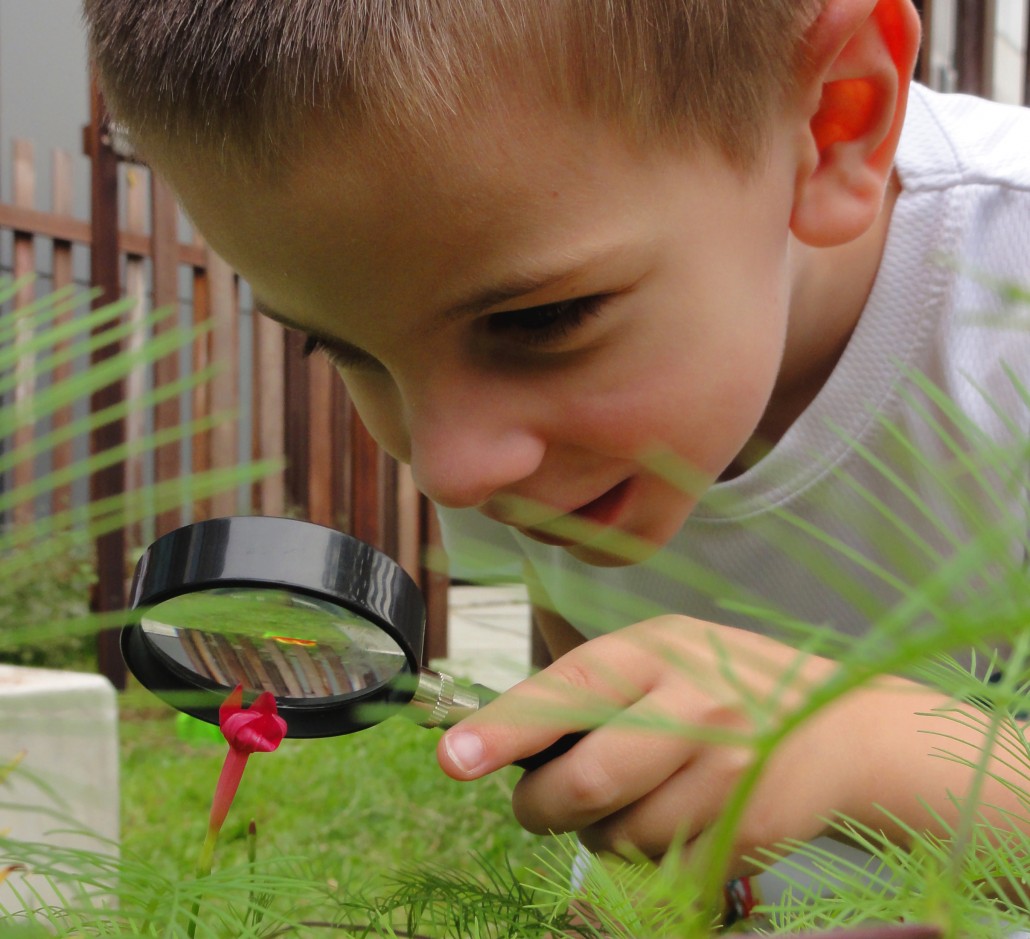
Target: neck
[830, 289]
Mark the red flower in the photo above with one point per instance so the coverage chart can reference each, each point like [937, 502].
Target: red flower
[249, 731]
[258, 728]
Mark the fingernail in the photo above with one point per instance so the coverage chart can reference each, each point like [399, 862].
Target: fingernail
[465, 750]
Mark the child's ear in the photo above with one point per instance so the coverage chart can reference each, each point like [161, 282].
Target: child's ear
[861, 54]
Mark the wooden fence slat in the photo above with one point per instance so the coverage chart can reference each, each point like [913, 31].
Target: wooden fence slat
[136, 381]
[164, 231]
[343, 467]
[62, 204]
[388, 515]
[200, 396]
[924, 71]
[225, 384]
[24, 192]
[322, 504]
[295, 420]
[973, 46]
[366, 486]
[109, 591]
[1026, 57]
[434, 582]
[268, 391]
[409, 527]
[61, 200]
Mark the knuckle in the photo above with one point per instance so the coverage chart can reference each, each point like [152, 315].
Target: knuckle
[729, 717]
[573, 673]
[591, 789]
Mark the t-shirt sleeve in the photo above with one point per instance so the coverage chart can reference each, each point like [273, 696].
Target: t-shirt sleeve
[478, 549]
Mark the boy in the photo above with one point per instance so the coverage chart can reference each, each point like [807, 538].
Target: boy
[622, 282]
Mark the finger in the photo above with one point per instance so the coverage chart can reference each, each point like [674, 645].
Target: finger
[674, 813]
[610, 768]
[581, 690]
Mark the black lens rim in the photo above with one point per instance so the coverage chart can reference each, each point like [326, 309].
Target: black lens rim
[290, 554]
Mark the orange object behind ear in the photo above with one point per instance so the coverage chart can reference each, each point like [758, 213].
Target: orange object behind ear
[847, 110]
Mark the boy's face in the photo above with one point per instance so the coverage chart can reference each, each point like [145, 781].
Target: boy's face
[530, 320]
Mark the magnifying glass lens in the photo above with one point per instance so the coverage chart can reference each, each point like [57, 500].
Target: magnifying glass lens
[306, 651]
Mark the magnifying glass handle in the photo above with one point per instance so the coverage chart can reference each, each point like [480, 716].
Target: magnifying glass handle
[442, 702]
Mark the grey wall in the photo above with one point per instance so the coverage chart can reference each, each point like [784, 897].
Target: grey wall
[44, 90]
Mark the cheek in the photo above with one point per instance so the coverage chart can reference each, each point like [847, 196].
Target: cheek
[699, 397]
[378, 403]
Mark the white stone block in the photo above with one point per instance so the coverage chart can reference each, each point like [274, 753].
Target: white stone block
[62, 729]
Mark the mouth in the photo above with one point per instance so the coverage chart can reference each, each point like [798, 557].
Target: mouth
[602, 512]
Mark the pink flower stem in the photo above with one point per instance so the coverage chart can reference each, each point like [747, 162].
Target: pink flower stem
[225, 792]
[258, 728]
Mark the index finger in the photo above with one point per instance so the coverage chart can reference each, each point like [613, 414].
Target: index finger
[532, 722]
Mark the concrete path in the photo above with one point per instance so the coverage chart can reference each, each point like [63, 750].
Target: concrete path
[488, 635]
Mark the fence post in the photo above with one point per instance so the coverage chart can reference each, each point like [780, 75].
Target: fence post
[924, 65]
[63, 454]
[1026, 61]
[164, 253]
[24, 192]
[109, 592]
[974, 59]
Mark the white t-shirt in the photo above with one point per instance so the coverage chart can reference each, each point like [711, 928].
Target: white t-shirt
[876, 485]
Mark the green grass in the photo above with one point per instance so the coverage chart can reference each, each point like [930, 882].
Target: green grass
[354, 835]
[355, 814]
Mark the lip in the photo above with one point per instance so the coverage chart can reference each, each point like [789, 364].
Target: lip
[607, 507]
[604, 512]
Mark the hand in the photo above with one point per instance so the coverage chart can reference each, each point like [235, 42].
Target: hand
[675, 702]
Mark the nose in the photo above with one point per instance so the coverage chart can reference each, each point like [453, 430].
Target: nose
[467, 444]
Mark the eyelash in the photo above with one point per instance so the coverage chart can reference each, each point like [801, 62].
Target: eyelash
[537, 326]
[338, 358]
[548, 323]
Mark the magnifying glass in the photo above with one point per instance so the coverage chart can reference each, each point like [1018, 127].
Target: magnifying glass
[330, 626]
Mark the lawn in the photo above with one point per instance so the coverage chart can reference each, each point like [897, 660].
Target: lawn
[354, 817]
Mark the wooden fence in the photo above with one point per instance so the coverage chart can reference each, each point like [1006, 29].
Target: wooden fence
[977, 46]
[289, 408]
[295, 409]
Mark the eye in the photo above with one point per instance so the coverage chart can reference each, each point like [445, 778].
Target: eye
[549, 323]
[339, 354]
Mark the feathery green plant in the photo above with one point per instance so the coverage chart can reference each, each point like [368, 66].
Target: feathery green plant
[968, 882]
[46, 555]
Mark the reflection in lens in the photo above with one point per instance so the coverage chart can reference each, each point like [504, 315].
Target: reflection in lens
[302, 649]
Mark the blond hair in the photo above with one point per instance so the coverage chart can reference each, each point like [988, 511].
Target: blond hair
[244, 76]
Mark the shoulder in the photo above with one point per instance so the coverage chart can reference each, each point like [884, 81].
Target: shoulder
[957, 140]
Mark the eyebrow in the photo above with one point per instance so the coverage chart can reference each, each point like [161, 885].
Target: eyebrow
[523, 284]
[518, 285]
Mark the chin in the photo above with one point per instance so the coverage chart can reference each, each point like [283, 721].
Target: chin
[623, 548]
[597, 554]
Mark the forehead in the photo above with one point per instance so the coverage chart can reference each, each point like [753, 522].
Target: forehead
[513, 166]
[358, 225]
